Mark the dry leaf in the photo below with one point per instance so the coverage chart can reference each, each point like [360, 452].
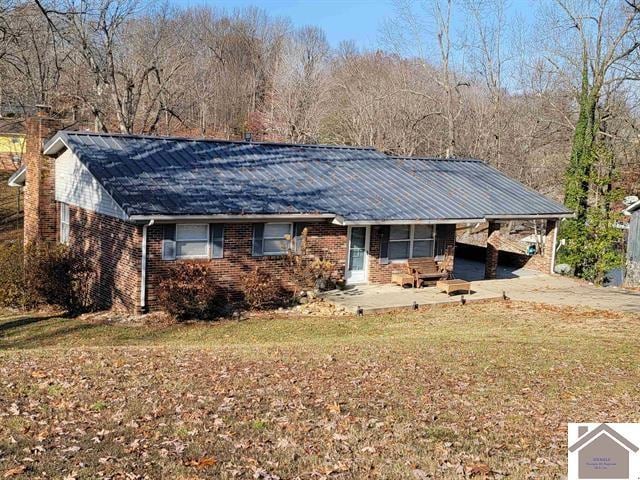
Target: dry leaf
[205, 462]
[14, 471]
[421, 474]
[478, 469]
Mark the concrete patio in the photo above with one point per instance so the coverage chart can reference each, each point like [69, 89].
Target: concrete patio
[522, 285]
[383, 298]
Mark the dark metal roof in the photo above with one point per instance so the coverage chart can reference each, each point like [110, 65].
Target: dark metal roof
[176, 176]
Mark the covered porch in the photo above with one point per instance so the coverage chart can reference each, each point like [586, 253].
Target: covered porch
[383, 253]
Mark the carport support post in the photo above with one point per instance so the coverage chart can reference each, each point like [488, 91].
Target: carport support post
[551, 240]
[491, 262]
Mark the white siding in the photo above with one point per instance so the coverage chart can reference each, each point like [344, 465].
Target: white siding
[76, 186]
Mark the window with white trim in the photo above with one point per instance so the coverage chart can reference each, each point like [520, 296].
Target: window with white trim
[192, 240]
[65, 223]
[411, 241]
[276, 239]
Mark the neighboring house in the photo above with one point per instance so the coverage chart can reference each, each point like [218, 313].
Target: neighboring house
[632, 271]
[12, 143]
[136, 205]
[602, 453]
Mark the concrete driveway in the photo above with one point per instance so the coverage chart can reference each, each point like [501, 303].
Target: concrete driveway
[522, 285]
[563, 291]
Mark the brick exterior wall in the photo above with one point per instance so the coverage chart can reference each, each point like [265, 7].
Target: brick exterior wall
[8, 162]
[324, 240]
[381, 273]
[40, 214]
[114, 249]
[542, 263]
[493, 250]
[492, 254]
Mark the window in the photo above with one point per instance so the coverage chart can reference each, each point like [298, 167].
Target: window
[64, 223]
[192, 240]
[276, 239]
[423, 241]
[411, 241]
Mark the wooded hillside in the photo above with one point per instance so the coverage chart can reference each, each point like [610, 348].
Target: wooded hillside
[450, 77]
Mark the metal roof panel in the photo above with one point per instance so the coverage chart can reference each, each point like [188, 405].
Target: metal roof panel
[176, 176]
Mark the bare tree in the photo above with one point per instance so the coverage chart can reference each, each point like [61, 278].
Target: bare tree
[406, 34]
[301, 85]
[593, 45]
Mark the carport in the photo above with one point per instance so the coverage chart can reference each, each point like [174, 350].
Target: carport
[543, 260]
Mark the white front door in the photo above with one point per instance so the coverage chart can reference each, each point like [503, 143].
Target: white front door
[357, 254]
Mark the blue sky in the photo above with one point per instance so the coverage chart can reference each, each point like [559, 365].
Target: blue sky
[357, 20]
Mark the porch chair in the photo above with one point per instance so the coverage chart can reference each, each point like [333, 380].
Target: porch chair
[446, 265]
[425, 270]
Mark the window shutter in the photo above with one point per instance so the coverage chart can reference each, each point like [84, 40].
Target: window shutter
[384, 244]
[445, 237]
[169, 242]
[216, 238]
[258, 234]
[297, 236]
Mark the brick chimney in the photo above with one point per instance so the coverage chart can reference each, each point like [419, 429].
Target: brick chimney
[40, 216]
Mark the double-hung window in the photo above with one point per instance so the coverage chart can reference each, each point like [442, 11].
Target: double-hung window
[65, 223]
[192, 240]
[276, 238]
[411, 241]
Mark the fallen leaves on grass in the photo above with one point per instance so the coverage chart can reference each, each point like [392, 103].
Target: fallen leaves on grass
[203, 462]
[12, 472]
[472, 397]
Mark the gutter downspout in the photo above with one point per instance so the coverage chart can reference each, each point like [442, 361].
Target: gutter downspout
[143, 272]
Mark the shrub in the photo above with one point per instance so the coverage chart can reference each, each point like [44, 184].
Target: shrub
[308, 271]
[262, 290]
[12, 291]
[43, 274]
[54, 275]
[190, 291]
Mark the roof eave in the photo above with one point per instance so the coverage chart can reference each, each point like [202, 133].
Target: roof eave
[54, 145]
[231, 217]
[18, 178]
[631, 208]
[541, 216]
[345, 222]
[534, 216]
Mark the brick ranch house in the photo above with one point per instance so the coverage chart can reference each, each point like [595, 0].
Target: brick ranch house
[135, 205]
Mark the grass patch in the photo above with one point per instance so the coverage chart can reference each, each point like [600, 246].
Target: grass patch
[376, 396]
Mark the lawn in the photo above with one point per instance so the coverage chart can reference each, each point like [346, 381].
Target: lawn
[476, 390]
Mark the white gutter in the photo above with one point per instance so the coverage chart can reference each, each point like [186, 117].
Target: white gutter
[342, 222]
[540, 216]
[631, 208]
[338, 220]
[143, 271]
[231, 217]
